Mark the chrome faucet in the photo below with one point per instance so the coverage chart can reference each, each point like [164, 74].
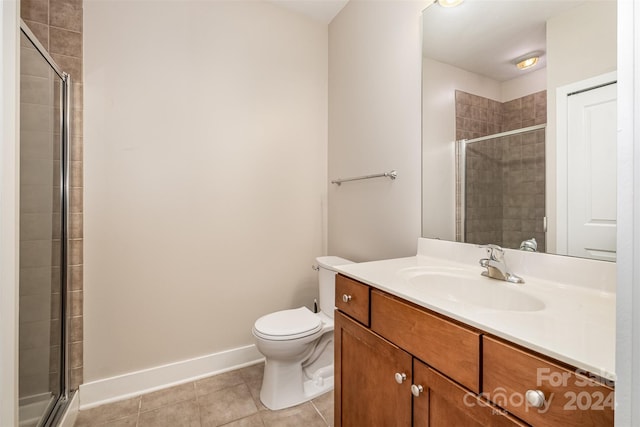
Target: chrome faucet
[496, 265]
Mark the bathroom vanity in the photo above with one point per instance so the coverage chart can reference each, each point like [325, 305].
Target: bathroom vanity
[428, 341]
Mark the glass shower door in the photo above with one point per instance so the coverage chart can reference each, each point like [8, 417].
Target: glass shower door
[42, 236]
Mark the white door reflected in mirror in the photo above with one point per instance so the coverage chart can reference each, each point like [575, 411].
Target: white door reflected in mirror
[591, 187]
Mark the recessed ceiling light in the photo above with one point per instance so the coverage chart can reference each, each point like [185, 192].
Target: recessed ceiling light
[449, 3]
[527, 61]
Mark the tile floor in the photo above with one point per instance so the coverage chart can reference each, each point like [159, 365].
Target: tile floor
[230, 399]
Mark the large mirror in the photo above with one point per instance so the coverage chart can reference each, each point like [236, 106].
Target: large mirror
[523, 157]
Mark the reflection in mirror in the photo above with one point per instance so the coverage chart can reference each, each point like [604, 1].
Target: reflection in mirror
[505, 160]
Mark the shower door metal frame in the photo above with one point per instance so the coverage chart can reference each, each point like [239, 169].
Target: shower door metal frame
[57, 411]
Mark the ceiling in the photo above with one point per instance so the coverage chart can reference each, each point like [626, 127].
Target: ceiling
[485, 36]
[319, 10]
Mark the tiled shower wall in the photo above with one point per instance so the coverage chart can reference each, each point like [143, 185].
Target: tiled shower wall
[505, 177]
[58, 26]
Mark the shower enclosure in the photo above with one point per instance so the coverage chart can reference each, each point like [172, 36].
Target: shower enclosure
[44, 135]
[501, 194]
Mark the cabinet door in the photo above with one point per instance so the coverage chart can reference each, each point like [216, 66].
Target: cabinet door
[366, 390]
[442, 403]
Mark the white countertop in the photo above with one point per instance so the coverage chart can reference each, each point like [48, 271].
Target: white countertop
[576, 325]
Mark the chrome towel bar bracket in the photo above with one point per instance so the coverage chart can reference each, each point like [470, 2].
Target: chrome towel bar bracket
[391, 174]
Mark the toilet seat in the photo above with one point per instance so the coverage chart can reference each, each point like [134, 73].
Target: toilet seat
[287, 325]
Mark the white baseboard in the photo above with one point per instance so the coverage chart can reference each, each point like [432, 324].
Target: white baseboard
[112, 389]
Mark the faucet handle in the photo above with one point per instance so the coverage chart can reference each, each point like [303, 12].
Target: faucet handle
[494, 252]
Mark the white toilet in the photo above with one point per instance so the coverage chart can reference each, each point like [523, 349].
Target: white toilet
[298, 346]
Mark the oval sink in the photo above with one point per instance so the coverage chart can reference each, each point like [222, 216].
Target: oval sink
[462, 286]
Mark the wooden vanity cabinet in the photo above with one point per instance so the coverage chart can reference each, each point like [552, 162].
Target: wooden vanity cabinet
[376, 382]
[398, 364]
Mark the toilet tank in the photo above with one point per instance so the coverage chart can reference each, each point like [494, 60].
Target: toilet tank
[326, 281]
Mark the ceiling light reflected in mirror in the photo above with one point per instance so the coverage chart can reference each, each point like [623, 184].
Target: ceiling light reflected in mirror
[527, 61]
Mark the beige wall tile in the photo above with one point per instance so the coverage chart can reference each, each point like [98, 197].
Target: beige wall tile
[36, 226]
[75, 329]
[35, 253]
[33, 384]
[35, 362]
[75, 251]
[75, 303]
[35, 308]
[76, 377]
[77, 123]
[34, 117]
[75, 274]
[77, 95]
[66, 14]
[65, 42]
[36, 90]
[75, 226]
[75, 355]
[69, 64]
[34, 279]
[76, 199]
[36, 145]
[75, 173]
[40, 30]
[35, 10]
[34, 334]
[75, 149]
[55, 306]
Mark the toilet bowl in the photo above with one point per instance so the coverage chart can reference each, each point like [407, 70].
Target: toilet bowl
[298, 346]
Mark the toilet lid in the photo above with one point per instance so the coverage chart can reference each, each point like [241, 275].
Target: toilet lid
[288, 324]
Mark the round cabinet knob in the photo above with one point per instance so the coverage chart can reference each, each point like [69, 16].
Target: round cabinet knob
[346, 298]
[400, 377]
[535, 398]
[416, 389]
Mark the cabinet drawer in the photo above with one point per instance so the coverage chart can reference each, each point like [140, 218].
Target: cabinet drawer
[446, 346]
[571, 399]
[352, 298]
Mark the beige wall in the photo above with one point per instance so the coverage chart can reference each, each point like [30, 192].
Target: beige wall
[581, 44]
[206, 132]
[374, 126]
